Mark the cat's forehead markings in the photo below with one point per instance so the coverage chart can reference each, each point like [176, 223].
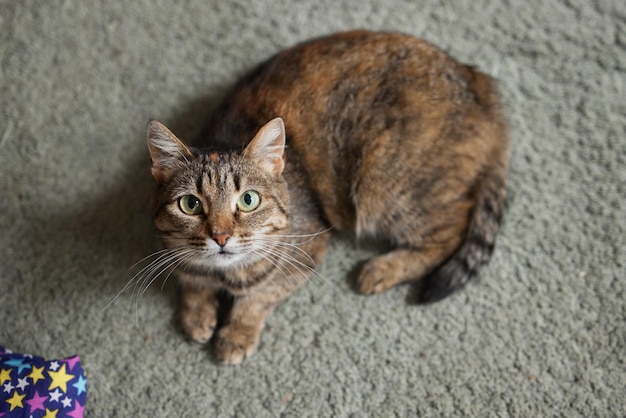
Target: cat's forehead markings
[200, 181]
[237, 181]
[214, 156]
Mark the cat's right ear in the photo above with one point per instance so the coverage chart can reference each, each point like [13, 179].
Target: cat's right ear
[165, 150]
[267, 147]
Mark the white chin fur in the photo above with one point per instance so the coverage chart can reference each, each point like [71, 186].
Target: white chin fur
[231, 258]
[211, 257]
[223, 261]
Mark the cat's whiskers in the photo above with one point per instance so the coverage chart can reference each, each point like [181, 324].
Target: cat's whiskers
[308, 236]
[132, 282]
[275, 241]
[277, 260]
[290, 246]
[182, 258]
[159, 267]
[145, 276]
[288, 239]
[281, 250]
[164, 250]
[164, 259]
[282, 254]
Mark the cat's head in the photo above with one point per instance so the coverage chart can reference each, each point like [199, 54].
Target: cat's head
[221, 209]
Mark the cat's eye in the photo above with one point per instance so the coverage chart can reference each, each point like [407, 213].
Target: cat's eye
[190, 205]
[249, 201]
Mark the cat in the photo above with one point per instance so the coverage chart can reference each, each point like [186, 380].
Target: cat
[378, 133]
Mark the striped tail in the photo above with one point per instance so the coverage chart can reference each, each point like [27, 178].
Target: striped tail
[479, 242]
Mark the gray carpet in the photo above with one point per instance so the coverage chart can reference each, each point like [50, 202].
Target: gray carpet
[542, 332]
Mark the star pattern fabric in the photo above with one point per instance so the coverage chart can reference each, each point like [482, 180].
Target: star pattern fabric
[33, 387]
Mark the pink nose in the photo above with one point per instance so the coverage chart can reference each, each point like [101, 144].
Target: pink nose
[221, 238]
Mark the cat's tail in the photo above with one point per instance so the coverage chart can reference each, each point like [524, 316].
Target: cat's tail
[490, 193]
[476, 249]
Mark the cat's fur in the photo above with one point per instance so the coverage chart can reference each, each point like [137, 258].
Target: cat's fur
[385, 135]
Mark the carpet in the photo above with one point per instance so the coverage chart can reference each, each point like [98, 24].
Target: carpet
[540, 333]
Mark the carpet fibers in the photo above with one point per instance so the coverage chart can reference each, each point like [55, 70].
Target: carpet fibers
[541, 333]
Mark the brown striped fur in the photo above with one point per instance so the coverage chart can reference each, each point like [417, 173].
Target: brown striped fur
[386, 136]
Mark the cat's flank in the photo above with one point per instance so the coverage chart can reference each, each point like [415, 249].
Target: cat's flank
[379, 133]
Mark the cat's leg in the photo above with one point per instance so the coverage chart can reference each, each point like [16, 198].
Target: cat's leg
[425, 227]
[239, 337]
[197, 312]
[400, 265]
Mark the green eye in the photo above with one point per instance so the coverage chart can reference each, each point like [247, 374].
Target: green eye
[249, 201]
[190, 205]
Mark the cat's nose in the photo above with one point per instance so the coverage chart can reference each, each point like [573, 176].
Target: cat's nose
[221, 238]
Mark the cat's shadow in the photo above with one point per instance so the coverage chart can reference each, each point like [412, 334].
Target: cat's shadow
[111, 231]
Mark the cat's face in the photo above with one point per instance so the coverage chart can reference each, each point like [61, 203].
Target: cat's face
[220, 210]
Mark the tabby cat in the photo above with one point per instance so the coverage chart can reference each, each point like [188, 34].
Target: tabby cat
[378, 133]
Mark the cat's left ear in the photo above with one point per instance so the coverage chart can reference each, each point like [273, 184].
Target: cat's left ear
[165, 150]
[268, 146]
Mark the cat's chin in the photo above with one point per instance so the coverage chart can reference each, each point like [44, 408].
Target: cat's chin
[225, 261]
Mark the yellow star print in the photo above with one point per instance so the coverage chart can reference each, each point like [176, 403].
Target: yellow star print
[60, 379]
[5, 375]
[36, 374]
[51, 414]
[16, 401]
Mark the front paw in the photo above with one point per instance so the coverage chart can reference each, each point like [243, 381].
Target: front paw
[235, 343]
[198, 324]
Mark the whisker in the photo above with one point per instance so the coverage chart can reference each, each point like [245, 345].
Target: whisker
[281, 250]
[170, 263]
[162, 260]
[158, 265]
[276, 264]
[302, 268]
[309, 236]
[160, 255]
[285, 244]
[183, 260]
[286, 248]
[265, 255]
[149, 256]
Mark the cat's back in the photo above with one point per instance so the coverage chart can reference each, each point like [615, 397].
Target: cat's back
[335, 88]
[369, 107]
[347, 77]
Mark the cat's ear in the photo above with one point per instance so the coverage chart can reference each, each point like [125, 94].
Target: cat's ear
[165, 150]
[268, 146]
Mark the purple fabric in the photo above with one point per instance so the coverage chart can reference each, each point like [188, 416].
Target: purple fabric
[34, 387]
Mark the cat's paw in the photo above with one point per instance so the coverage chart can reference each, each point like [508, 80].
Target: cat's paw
[235, 343]
[374, 277]
[198, 324]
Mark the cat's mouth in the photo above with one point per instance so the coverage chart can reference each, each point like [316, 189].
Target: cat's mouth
[224, 254]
